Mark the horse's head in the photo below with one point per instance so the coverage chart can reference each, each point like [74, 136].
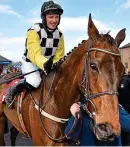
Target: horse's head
[103, 71]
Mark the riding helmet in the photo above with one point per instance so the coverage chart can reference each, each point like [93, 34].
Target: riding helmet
[51, 7]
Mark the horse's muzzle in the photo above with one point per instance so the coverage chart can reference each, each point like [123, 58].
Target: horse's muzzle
[104, 132]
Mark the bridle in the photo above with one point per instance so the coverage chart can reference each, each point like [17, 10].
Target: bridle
[88, 97]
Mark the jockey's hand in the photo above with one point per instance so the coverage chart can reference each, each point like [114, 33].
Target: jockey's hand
[75, 110]
[48, 65]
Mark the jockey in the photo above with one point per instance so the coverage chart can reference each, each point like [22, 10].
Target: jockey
[44, 46]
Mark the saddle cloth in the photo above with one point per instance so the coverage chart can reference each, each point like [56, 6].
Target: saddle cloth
[2, 96]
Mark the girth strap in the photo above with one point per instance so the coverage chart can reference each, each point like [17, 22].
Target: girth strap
[54, 118]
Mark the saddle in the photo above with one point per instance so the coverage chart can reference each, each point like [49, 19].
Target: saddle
[10, 80]
[9, 77]
[2, 96]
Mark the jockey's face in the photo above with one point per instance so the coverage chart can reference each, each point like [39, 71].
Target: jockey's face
[52, 20]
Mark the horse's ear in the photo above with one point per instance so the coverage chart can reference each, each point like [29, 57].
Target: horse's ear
[92, 30]
[120, 37]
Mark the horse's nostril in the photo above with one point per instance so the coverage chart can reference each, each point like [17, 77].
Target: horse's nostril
[105, 129]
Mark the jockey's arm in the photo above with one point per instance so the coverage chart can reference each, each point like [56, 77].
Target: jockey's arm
[34, 49]
[60, 51]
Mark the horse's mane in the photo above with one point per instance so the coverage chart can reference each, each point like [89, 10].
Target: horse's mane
[57, 64]
[105, 36]
[108, 37]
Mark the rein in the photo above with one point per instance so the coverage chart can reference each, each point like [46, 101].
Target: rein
[87, 95]
[41, 107]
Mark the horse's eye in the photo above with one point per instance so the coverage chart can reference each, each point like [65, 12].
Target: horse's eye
[93, 66]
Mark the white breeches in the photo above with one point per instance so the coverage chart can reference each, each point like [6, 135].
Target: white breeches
[34, 78]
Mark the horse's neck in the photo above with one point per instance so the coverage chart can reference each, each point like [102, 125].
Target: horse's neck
[65, 86]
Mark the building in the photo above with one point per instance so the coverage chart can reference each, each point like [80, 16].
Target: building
[4, 63]
[125, 55]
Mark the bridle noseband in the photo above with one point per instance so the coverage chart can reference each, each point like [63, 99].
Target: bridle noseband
[87, 95]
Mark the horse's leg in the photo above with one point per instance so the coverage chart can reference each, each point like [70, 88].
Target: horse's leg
[2, 126]
[13, 134]
[12, 116]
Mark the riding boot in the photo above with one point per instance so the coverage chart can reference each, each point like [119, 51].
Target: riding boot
[14, 90]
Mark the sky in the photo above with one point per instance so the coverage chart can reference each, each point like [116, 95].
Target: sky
[17, 16]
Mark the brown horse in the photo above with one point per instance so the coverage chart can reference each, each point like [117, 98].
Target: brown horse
[93, 69]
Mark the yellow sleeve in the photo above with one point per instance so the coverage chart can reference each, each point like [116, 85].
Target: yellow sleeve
[59, 51]
[34, 49]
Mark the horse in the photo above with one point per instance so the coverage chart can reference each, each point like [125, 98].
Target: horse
[92, 69]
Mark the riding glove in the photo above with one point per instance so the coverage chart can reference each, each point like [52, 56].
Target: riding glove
[48, 65]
